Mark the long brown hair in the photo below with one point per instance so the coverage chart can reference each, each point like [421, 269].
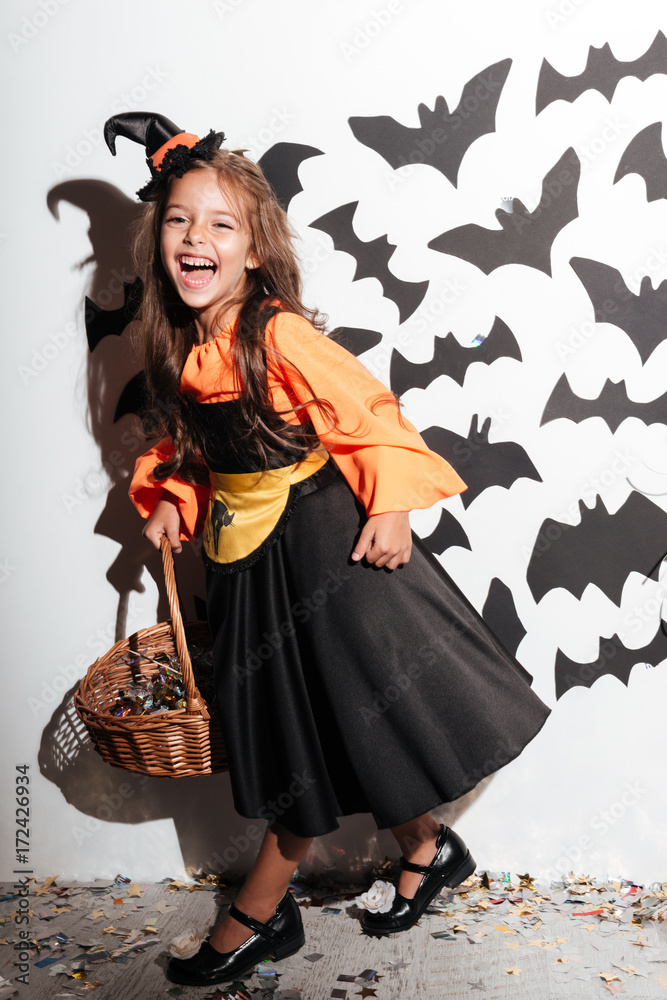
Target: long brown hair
[168, 330]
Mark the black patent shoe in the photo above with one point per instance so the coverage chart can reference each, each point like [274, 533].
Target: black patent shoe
[279, 937]
[451, 865]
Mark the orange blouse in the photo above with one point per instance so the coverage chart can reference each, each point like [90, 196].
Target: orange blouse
[381, 454]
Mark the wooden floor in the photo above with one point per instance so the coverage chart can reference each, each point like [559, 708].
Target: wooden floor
[492, 938]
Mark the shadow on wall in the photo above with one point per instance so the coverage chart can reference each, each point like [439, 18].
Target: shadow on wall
[211, 834]
[113, 365]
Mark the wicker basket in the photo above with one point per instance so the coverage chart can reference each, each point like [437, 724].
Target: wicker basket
[171, 744]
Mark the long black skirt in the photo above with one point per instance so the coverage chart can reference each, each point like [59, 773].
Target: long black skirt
[343, 688]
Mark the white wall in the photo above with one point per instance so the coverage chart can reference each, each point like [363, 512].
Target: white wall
[588, 792]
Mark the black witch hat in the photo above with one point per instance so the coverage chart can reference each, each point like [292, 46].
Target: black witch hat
[169, 149]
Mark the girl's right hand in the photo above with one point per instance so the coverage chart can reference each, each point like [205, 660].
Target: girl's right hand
[165, 520]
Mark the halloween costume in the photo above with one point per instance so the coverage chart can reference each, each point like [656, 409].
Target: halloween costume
[342, 687]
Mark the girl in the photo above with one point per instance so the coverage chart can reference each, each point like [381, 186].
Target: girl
[352, 674]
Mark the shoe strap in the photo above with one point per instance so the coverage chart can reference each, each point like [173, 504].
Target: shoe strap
[410, 866]
[255, 925]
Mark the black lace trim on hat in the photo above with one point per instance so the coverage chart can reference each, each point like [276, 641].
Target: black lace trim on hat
[177, 160]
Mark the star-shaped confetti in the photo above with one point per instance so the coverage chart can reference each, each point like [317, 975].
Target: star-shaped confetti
[45, 886]
[479, 985]
[525, 881]
[365, 991]
[514, 971]
[134, 890]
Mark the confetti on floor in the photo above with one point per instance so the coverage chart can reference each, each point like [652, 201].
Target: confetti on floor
[577, 937]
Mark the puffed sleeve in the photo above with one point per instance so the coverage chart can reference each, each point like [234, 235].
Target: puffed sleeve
[146, 491]
[381, 454]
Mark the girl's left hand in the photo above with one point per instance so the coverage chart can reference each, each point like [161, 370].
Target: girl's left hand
[385, 540]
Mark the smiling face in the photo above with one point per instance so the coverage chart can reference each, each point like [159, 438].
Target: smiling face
[205, 247]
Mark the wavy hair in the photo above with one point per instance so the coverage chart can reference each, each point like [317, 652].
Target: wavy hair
[168, 329]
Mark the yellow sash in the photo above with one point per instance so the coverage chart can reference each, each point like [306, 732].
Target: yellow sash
[245, 507]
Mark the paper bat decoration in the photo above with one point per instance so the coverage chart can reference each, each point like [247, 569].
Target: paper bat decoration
[603, 549]
[480, 463]
[603, 72]
[447, 533]
[280, 165]
[613, 405]
[372, 259]
[643, 317]
[645, 155]
[499, 613]
[355, 340]
[451, 358]
[614, 658]
[133, 397]
[101, 323]
[443, 137]
[524, 237]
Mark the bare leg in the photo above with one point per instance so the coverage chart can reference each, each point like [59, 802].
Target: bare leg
[417, 842]
[279, 855]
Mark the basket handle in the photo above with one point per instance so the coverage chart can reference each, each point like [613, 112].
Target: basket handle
[195, 702]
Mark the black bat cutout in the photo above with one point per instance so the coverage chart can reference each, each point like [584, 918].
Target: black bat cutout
[645, 155]
[500, 614]
[524, 237]
[613, 405]
[133, 398]
[452, 359]
[447, 533]
[603, 549]
[356, 340]
[280, 165]
[603, 72]
[480, 463]
[101, 323]
[614, 658]
[443, 137]
[372, 258]
[643, 317]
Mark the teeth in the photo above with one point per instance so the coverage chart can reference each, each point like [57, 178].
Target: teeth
[197, 262]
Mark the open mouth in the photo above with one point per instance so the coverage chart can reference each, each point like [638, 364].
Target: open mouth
[196, 271]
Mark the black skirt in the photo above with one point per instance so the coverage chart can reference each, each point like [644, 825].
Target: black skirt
[343, 688]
